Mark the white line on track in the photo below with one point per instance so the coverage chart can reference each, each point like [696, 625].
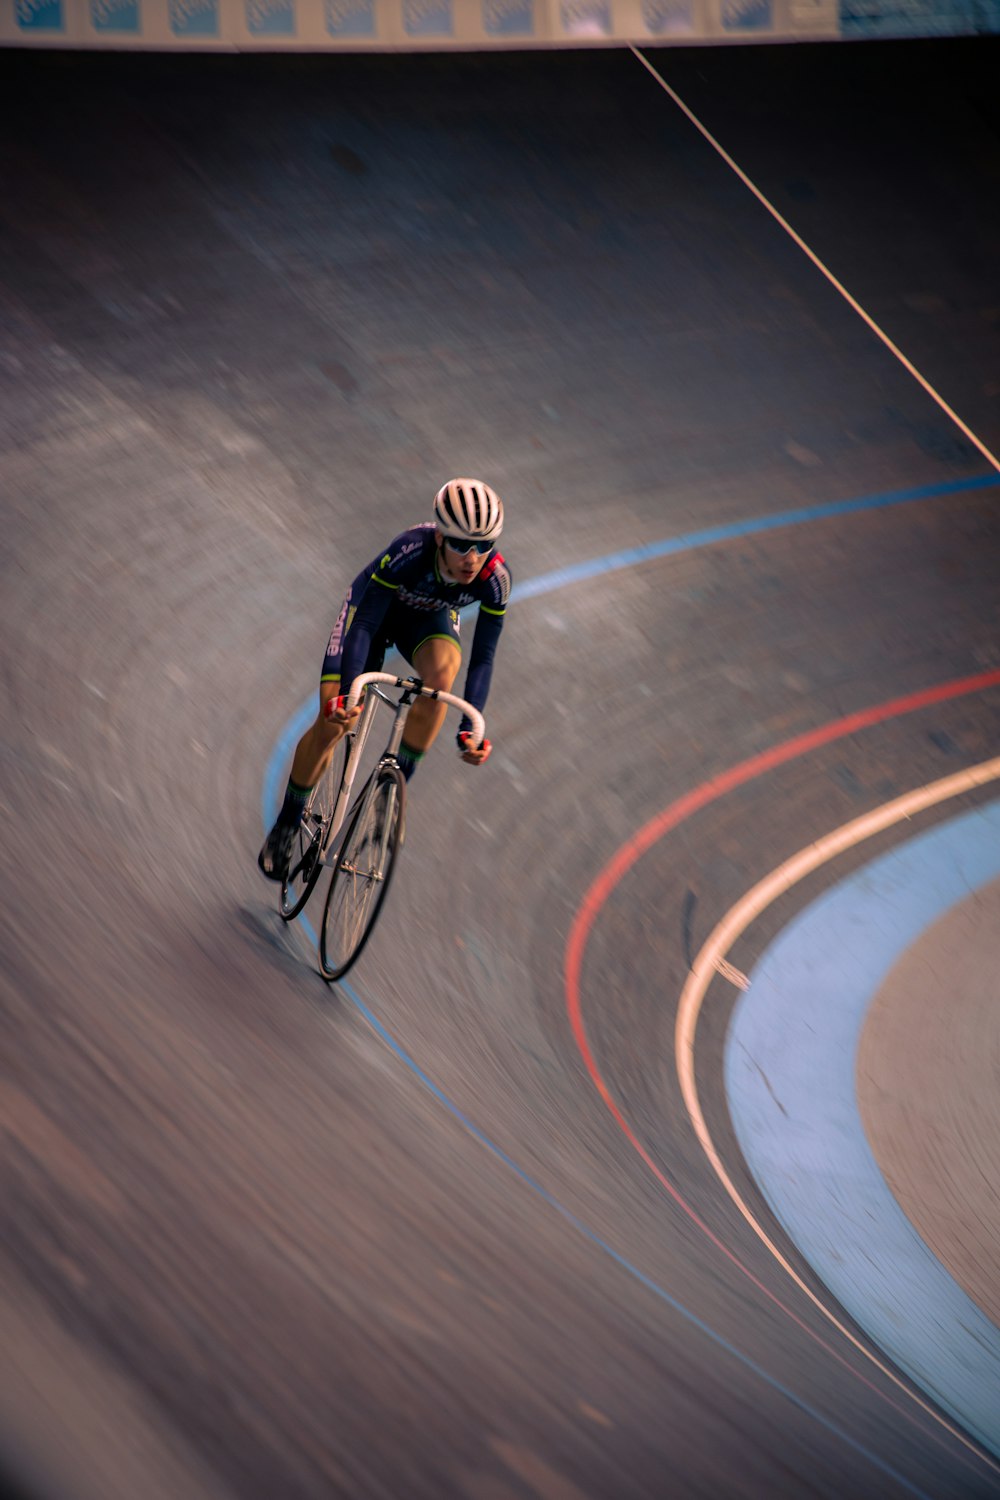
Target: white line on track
[712, 959]
[820, 266]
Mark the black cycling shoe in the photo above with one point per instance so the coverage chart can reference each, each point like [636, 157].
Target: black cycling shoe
[276, 851]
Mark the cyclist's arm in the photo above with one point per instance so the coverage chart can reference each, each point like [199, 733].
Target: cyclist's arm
[477, 679]
[372, 610]
[495, 585]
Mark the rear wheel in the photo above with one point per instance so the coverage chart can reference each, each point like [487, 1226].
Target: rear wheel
[361, 873]
[306, 862]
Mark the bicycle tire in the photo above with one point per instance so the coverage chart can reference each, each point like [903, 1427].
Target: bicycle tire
[357, 887]
[306, 862]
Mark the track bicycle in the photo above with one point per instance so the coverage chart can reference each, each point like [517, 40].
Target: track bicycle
[362, 860]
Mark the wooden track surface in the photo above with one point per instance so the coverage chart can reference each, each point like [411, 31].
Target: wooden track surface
[255, 311]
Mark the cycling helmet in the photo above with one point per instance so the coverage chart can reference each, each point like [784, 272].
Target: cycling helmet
[468, 510]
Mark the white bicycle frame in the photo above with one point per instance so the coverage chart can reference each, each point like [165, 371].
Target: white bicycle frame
[413, 688]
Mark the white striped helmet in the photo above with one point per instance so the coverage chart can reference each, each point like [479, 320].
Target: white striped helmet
[468, 510]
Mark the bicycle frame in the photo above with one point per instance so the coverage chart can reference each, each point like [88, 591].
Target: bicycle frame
[412, 688]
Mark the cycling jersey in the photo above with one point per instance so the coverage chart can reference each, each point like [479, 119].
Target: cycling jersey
[405, 580]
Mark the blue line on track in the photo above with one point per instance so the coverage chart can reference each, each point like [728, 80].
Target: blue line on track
[547, 583]
[688, 541]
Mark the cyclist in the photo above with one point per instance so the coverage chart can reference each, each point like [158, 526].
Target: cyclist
[408, 596]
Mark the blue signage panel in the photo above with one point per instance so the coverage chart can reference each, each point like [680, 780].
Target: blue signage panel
[428, 18]
[586, 17]
[918, 17]
[509, 17]
[350, 17]
[668, 17]
[194, 17]
[270, 17]
[746, 15]
[116, 17]
[40, 15]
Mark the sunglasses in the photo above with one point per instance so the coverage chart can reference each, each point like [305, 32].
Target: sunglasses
[463, 548]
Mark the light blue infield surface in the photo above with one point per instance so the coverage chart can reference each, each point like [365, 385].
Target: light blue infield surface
[790, 1078]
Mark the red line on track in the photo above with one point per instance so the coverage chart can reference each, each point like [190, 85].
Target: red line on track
[634, 848]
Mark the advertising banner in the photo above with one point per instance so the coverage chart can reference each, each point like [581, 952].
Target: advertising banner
[413, 25]
[895, 18]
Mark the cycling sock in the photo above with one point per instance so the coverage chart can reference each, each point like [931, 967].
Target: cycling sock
[409, 759]
[294, 804]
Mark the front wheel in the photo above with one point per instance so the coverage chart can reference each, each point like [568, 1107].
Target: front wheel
[361, 873]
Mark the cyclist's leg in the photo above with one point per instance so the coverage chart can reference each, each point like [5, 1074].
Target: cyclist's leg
[315, 749]
[436, 664]
[431, 643]
[312, 755]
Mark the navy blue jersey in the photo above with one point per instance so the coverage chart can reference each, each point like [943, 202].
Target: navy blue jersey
[407, 576]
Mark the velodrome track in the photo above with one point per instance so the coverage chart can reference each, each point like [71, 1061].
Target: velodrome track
[449, 1231]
